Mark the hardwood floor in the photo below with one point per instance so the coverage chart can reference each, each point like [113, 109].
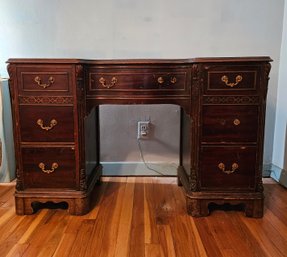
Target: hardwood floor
[139, 217]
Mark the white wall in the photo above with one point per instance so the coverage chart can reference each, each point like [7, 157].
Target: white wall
[145, 29]
[7, 162]
[120, 149]
[280, 137]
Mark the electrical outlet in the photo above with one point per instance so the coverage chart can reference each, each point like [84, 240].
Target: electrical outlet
[143, 129]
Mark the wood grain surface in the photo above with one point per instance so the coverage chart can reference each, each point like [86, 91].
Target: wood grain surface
[144, 217]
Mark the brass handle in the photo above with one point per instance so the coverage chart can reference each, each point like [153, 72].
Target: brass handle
[38, 80]
[172, 80]
[104, 83]
[236, 122]
[54, 166]
[225, 79]
[53, 123]
[234, 167]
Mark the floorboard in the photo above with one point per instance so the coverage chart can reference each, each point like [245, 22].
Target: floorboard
[144, 217]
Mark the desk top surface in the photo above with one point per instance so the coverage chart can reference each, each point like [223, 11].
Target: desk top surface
[139, 61]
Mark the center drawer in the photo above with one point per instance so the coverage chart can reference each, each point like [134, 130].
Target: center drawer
[51, 167]
[46, 123]
[138, 80]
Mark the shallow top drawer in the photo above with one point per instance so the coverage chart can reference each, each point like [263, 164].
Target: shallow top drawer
[34, 80]
[229, 79]
[138, 80]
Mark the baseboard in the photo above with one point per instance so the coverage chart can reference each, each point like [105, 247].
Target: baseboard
[275, 172]
[267, 169]
[170, 169]
[139, 169]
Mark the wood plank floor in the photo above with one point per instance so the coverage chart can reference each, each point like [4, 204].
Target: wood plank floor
[143, 217]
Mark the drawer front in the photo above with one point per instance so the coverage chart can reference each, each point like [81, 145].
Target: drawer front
[46, 124]
[228, 168]
[47, 79]
[138, 81]
[233, 79]
[49, 167]
[229, 123]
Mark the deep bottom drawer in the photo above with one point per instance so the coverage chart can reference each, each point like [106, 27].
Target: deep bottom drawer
[52, 167]
[228, 168]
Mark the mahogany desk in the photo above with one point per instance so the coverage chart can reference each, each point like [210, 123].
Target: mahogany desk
[56, 125]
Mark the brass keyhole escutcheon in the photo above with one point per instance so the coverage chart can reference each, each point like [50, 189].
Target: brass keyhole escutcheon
[236, 122]
[160, 80]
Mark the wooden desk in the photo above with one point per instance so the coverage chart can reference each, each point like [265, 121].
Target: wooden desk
[56, 125]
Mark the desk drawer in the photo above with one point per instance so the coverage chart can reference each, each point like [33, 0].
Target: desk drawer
[52, 167]
[46, 124]
[44, 80]
[229, 123]
[233, 79]
[138, 81]
[228, 167]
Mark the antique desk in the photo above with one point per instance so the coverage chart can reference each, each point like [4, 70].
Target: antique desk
[56, 125]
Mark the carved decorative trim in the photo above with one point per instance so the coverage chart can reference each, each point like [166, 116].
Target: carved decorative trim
[19, 183]
[195, 82]
[10, 69]
[83, 180]
[193, 181]
[79, 81]
[258, 177]
[267, 69]
[260, 187]
[79, 72]
[45, 100]
[230, 100]
[195, 98]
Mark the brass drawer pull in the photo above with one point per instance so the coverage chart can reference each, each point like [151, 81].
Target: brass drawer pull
[38, 80]
[54, 166]
[104, 82]
[234, 167]
[53, 123]
[172, 80]
[225, 79]
[236, 122]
